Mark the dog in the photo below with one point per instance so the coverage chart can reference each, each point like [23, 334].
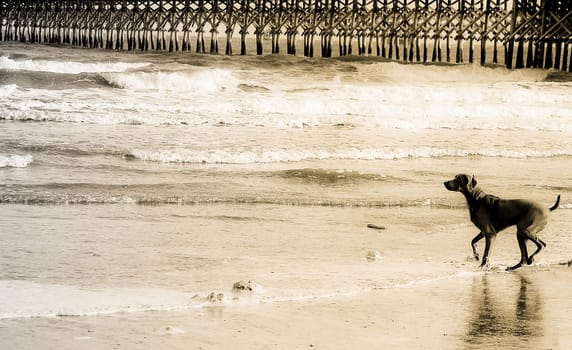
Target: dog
[492, 214]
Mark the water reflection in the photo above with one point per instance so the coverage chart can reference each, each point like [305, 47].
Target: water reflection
[506, 312]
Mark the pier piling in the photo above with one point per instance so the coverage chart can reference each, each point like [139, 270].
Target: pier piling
[533, 33]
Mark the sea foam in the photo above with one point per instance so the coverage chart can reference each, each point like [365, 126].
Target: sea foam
[6, 90]
[69, 67]
[15, 161]
[399, 73]
[298, 155]
[24, 299]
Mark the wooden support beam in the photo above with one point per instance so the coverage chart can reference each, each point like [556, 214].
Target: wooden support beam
[539, 31]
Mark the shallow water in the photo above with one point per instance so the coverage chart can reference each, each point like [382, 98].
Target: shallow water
[170, 177]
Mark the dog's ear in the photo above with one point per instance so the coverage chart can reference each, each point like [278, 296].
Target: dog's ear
[473, 182]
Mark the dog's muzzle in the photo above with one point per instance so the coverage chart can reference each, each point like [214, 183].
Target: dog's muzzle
[451, 185]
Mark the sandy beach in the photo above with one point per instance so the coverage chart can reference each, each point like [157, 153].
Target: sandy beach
[529, 308]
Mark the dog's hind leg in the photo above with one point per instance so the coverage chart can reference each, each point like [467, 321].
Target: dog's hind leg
[530, 229]
[523, 251]
[539, 245]
[474, 244]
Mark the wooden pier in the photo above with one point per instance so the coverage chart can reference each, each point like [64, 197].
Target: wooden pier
[517, 33]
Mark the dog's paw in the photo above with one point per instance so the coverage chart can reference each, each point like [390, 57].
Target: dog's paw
[484, 267]
[530, 261]
[512, 268]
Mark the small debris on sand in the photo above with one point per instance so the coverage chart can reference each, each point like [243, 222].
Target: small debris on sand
[243, 286]
[174, 330]
[377, 227]
[373, 255]
[215, 297]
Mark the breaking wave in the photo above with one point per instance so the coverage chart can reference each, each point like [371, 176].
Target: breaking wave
[199, 82]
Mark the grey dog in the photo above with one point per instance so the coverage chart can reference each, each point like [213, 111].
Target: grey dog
[492, 214]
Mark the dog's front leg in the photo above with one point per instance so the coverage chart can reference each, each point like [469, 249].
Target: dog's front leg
[477, 238]
[489, 239]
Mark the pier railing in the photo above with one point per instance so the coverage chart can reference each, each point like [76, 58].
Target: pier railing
[517, 33]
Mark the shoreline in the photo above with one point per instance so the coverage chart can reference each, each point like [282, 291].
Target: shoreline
[529, 307]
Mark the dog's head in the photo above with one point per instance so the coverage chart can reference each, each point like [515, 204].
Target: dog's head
[461, 183]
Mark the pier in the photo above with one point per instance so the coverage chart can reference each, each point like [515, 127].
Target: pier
[516, 33]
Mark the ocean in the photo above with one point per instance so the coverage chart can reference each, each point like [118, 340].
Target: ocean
[134, 182]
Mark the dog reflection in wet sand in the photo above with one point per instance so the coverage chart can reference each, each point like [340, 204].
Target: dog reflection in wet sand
[504, 313]
[492, 214]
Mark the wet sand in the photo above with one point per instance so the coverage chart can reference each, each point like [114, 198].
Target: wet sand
[529, 308]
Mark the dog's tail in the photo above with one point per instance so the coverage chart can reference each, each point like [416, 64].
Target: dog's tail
[555, 204]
